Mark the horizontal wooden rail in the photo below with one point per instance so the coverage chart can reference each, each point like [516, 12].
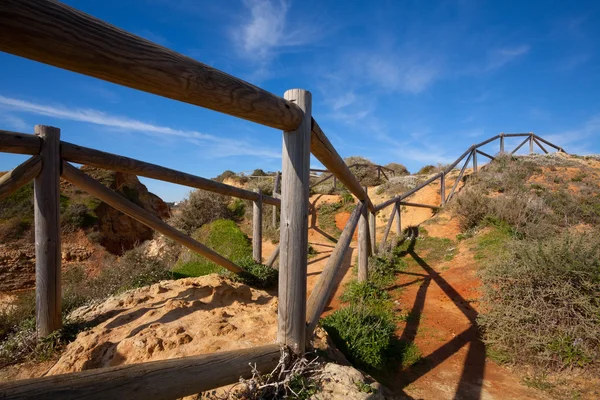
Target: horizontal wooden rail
[319, 296]
[19, 176]
[516, 134]
[419, 205]
[407, 194]
[101, 159]
[323, 150]
[54, 33]
[113, 199]
[19, 143]
[155, 380]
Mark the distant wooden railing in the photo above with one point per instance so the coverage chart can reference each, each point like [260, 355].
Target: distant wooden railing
[379, 168]
[56, 34]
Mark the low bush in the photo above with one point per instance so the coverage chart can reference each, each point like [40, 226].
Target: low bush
[399, 184]
[225, 175]
[77, 216]
[364, 334]
[14, 229]
[222, 236]
[427, 169]
[364, 293]
[398, 169]
[541, 301]
[201, 207]
[255, 274]
[366, 174]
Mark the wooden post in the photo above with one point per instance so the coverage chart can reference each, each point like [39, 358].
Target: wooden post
[531, 143]
[398, 219]
[502, 142]
[294, 227]
[474, 161]
[334, 182]
[272, 258]
[372, 233]
[275, 190]
[387, 229]
[443, 188]
[378, 172]
[257, 228]
[46, 201]
[363, 246]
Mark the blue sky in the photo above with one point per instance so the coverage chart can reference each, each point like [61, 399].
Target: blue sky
[414, 82]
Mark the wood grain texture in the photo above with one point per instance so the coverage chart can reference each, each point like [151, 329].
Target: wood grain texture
[363, 246]
[257, 228]
[19, 176]
[540, 145]
[19, 143]
[294, 227]
[398, 221]
[323, 150]
[388, 227]
[419, 205]
[442, 189]
[327, 283]
[56, 34]
[46, 205]
[101, 159]
[113, 199]
[155, 380]
[273, 257]
[519, 146]
[459, 177]
[531, 144]
[474, 156]
[372, 233]
[276, 189]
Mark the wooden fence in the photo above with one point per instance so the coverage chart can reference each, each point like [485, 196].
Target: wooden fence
[53, 33]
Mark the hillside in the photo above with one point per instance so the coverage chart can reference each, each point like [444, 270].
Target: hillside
[434, 285]
[91, 230]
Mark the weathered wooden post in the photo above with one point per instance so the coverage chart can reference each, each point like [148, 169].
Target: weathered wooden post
[334, 182]
[443, 188]
[530, 142]
[474, 161]
[257, 228]
[372, 234]
[275, 191]
[501, 142]
[294, 227]
[363, 245]
[378, 172]
[46, 202]
[398, 219]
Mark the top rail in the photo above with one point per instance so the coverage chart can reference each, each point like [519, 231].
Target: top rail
[54, 33]
[19, 143]
[323, 150]
[407, 194]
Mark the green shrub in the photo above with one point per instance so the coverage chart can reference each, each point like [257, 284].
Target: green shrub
[222, 236]
[18, 204]
[364, 293]
[366, 174]
[200, 208]
[77, 216]
[14, 229]
[426, 170]
[363, 334]
[255, 274]
[541, 301]
[225, 175]
[237, 208]
[398, 169]
[346, 197]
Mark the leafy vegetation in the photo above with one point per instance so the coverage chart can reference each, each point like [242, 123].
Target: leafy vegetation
[539, 249]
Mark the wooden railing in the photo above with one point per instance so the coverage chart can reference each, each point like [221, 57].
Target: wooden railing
[53, 33]
[380, 169]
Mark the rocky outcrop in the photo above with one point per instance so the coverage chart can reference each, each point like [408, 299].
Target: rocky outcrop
[17, 267]
[118, 232]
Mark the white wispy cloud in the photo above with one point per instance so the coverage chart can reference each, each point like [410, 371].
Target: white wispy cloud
[406, 75]
[576, 140]
[267, 30]
[498, 58]
[16, 123]
[220, 147]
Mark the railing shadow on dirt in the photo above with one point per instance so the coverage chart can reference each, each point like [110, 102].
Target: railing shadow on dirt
[471, 380]
[312, 210]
